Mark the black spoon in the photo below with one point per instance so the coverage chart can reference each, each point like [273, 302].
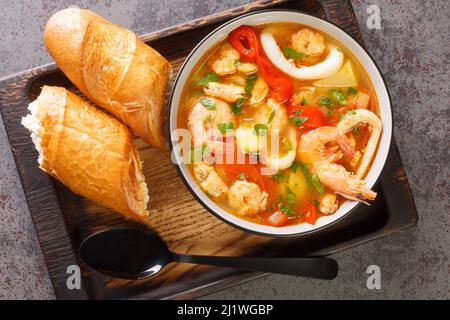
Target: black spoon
[134, 253]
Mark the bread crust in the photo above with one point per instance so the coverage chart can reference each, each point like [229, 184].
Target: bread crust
[113, 68]
[91, 152]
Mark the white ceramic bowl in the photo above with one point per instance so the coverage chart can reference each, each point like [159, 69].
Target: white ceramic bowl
[319, 24]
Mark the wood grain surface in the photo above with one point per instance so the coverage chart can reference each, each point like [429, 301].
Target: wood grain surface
[63, 220]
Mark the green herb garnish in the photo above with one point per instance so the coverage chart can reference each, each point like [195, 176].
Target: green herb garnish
[326, 102]
[303, 102]
[208, 103]
[339, 96]
[259, 129]
[317, 184]
[293, 54]
[237, 63]
[241, 176]
[207, 78]
[287, 144]
[272, 114]
[278, 177]
[304, 168]
[356, 131]
[198, 153]
[249, 84]
[287, 205]
[295, 165]
[298, 121]
[315, 203]
[352, 90]
[224, 127]
[350, 112]
[236, 108]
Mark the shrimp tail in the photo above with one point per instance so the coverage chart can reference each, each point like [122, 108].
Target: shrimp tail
[354, 198]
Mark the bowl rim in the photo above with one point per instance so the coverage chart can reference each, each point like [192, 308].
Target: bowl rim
[181, 174]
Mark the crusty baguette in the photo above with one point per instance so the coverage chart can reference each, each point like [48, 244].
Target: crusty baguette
[113, 68]
[88, 150]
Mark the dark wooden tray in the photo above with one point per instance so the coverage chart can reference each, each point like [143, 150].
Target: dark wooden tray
[63, 220]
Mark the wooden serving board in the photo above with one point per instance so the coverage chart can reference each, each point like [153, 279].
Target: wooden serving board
[63, 220]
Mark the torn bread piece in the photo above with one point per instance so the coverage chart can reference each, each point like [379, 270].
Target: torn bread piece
[90, 152]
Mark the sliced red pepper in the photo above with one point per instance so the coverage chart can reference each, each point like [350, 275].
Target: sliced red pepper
[245, 40]
[278, 219]
[310, 213]
[310, 112]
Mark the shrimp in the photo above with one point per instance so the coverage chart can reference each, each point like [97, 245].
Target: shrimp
[228, 92]
[209, 180]
[203, 122]
[225, 62]
[328, 204]
[344, 183]
[351, 121]
[309, 42]
[259, 91]
[313, 147]
[247, 198]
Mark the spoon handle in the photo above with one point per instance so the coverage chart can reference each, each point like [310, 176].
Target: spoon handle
[319, 268]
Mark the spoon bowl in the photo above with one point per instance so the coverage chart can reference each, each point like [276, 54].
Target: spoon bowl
[129, 253]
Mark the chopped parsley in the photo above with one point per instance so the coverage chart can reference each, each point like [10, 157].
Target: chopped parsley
[224, 127]
[249, 84]
[259, 129]
[208, 103]
[356, 131]
[315, 203]
[278, 177]
[317, 184]
[207, 78]
[338, 96]
[303, 102]
[272, 114]
[241, 176]
[351, 90]
[287, 145]
[198, 153]
[298, 121]
[287, 205]
[237, 63]
[293, 54]
[326, 102]
[304, 168]
[295, 165]
[236, 108]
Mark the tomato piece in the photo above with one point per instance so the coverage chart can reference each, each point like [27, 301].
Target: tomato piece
[245, 40]
[234, 171]
[280, 85]
[310, 213]
[277, 219]
[281, 89]
[312, 113]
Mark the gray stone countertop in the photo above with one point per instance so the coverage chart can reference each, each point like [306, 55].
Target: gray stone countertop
[411, 48]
